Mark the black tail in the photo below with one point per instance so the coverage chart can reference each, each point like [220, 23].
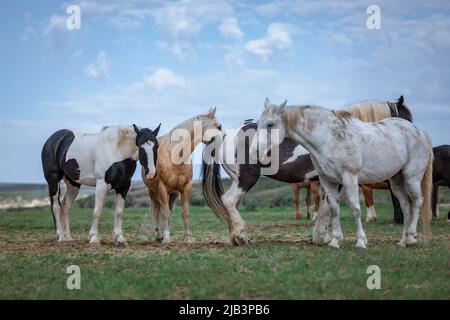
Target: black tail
[213, 189]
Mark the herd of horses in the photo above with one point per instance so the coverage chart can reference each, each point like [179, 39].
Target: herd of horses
[369, 144]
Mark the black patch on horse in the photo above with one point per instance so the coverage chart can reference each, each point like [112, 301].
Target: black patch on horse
[72, 169]
[119, 176]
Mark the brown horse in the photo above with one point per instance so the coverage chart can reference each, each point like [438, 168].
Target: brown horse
[368, 198]
[441, 175]
[174, 171]
[311, 187]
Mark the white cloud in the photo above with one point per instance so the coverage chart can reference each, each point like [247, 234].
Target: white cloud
[179, 49]
[163, 78]
[185, 19]
[55, 32]
[56, 22]
[230, 28]
[101, 68]
[278, 37]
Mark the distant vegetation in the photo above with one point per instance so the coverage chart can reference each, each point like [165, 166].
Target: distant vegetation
[267, 193]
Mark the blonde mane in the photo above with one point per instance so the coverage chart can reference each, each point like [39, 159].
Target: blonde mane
[368, 111]
[123, 135]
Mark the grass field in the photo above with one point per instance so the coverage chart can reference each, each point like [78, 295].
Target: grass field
[280, 264]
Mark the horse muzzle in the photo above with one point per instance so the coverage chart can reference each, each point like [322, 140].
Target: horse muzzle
[150, 175]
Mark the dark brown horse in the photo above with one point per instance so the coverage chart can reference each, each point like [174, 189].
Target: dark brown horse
[441, 175]
[312, 187]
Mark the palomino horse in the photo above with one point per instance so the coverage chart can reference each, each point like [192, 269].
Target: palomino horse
[294, 165]
[346, 151]
[106, 160]
[441, 175]
[174, 169]
[311, 187]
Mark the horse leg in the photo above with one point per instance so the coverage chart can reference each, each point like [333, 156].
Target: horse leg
[308, 201]
[298, 210]
[315, 192]
[434, 201]
[328, 206]
[156, 211]
[165, 216]
[69, 198]
[413, 187]
[352, 192]
[185, 196]
[101, 189]
[230, 199]
[398, 189]
[55, 205]
[118, 237]
[368, 200]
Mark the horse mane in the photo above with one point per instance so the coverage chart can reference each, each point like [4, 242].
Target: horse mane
[123, 135]
[368, 111]
[126, 136]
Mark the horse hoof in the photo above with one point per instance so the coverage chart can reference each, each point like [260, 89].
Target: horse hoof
[239, 240]
[121, 242]
[401, 243]
[94, 241]
[322, 240]
[411, 242]
[334, 243]
[65, 239]
[315, 216]
[165, 240]
[361, 244]
[188, 240]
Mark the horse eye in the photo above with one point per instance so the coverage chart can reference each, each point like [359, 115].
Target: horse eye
[269, 125]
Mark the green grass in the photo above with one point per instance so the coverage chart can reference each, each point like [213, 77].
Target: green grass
[280, 264]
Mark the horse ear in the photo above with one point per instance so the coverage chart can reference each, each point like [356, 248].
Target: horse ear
[267, 103]
[156, 131]
[400, 101]
[212, 112]
[282, 106]
[136, 129]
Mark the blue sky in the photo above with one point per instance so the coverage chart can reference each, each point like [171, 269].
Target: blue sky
[147, 62]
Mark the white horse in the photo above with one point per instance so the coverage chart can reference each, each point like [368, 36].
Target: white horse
[346, 151]
[106, 160]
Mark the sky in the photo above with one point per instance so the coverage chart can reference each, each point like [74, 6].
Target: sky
[147, 62]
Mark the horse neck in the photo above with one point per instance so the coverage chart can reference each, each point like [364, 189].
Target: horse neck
[189, 143]
[310, 126]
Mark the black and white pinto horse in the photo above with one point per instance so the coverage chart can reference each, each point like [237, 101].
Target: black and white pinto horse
[347, 151]
[441, 175]
[295, 165]
[106, 160]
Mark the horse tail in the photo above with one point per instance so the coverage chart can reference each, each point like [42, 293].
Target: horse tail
[426, 186]
[213, 190]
